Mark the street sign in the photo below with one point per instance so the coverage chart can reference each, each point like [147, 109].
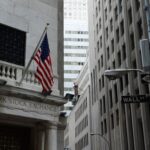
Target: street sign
[135, 99]
[145, 77]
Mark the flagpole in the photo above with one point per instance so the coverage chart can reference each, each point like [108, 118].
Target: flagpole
[36, 49]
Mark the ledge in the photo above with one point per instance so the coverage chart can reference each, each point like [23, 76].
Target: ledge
[31, 95]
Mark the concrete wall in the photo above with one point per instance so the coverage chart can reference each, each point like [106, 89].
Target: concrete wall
[31, 16]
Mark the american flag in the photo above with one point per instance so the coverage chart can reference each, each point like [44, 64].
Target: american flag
[44, 72]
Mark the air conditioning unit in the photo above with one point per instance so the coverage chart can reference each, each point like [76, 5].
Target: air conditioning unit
[145, 53]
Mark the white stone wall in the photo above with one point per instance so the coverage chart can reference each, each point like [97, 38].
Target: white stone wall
[31, 16]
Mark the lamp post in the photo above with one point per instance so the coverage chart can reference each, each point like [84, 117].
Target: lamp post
[108, 143]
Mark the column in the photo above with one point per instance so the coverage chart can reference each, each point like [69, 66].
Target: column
[51, 137]
[41, 138]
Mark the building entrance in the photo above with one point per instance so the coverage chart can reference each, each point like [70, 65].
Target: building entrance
[14, 138]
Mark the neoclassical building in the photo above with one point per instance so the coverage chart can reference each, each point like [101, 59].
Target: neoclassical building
[28, 119]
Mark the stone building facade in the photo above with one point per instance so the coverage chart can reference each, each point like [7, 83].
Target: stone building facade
[115, 28]
[28, 119]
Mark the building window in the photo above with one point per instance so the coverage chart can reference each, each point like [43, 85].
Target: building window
[103, 81]
[102, 129]
[99, 67]
[97, 28]
[124, 51]
[132, 41]
[101, 111]
[122, 28]
[115, 93]
[134, 66]
[121, 84]
[105, 126]
[111, 98]
[107, 33]
[12, 45]
[130, 15]
[105, 13]
[111, 24]
[110, 5]
[119, 58]
[108, 55]
[120, 6]
[98, 46]
[126, 80]
[100, 85]
[117, 35]
[112, 121]
[116, 13]
[101, 41]
[96, 12]
[101, 60]
[99, 5]
[137, 5]
[140, 30]
[100, 23]
[114, 64]
[117, 117]
[112, 45]
[104, 104]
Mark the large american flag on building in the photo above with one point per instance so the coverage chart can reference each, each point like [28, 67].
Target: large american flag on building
[44, 72]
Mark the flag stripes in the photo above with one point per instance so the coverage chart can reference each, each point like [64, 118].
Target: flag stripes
[44, 72]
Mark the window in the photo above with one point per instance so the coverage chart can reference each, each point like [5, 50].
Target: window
[100, 85]
[130, 15]
[100, 23]
[96, 12]
[137, 5]
[101, 60]
[132, 41]
[115, 93]
[108, 55]
[122, 28]
[102, 130]
[12, 45]
[119, 58]
[121, 84]
[124, 51]
[105, 13]
[97, 28]
[104, 104]
[102, 80]
[111, 99]
[101, 41]
[117, 35]
[116, 13]
[114, 64]
[112, 121]
[99, 67]
[98, 46]
[112, 45]
[99, 5]
[107, 33]
[140, 30]
[117, 117]
[101, 107]
[126, 80]
[110, 5]
[111, 24]
[105, 126]
[120, 6]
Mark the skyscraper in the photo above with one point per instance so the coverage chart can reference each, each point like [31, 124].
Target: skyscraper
[75, 40]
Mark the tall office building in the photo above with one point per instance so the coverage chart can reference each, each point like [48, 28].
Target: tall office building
[118, 26]
[75, 40]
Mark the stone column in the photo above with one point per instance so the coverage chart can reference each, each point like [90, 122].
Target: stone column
[51, 137]
[41, 137]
